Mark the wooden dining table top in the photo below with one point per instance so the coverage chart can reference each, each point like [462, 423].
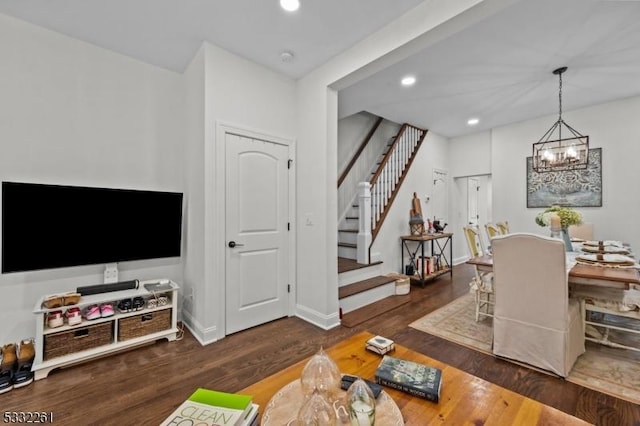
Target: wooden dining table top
[465, 399]
[595, 275]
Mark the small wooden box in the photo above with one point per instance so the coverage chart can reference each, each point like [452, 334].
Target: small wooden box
[77, 339]
[143, 324]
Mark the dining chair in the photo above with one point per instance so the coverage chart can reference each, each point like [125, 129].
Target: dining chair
[503, 227]
[492, 231]
[534, 320]
[583, 231]
[482, 282]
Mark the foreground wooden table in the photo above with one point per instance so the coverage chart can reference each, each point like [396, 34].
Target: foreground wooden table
[465, 399]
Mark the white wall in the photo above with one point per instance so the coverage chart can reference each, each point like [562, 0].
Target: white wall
[247, 96]
[612, 126]
[351, 132]
[72, 113]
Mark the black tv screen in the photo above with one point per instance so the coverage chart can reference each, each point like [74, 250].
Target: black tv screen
[55, 226]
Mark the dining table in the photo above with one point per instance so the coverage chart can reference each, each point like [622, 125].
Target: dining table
[601, 291]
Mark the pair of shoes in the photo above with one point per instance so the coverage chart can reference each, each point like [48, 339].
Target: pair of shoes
[59, 300]
[94, 311]
[15, 371]
[26, 354]
[73, 316]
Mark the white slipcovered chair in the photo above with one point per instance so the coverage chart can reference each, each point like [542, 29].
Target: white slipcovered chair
[535, 321]
[583, 231]
[482, 282]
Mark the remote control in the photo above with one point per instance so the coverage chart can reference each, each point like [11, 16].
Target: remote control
[347, 380]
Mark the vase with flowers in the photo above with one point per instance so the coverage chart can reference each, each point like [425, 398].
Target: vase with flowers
[558, 219]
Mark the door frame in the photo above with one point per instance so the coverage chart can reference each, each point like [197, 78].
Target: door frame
[216, 266]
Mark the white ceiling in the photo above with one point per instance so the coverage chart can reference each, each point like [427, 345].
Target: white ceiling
[498, 69]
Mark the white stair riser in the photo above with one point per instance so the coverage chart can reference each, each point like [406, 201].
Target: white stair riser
[348, 252]
[348, 237]
[359, 300]
[361, 274]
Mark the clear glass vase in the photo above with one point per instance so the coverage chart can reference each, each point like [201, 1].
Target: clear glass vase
[316, 411]
[361, 403]
[322, 374]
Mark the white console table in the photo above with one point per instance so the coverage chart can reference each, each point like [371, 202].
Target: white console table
[110, 329]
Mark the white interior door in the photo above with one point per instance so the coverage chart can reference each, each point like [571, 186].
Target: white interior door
[256, 289]
[472, 200]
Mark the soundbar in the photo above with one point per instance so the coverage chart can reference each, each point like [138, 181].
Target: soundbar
[106, 288]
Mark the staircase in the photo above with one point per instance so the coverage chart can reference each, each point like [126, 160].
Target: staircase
[364, 293]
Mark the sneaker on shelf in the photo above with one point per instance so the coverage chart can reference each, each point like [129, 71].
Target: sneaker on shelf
[74, 316]
[124, 305]
[53, 301]
[55, 319]
[106, 310]
[92, 312]
[26, 354]
[72, 298]
[138, 303]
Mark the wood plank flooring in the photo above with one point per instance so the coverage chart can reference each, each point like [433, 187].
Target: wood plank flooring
[143, 386]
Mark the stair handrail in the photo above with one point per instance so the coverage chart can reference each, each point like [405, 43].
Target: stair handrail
[361, 148]
[394, 166]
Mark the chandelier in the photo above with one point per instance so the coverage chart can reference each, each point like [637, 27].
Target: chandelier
[553, 153]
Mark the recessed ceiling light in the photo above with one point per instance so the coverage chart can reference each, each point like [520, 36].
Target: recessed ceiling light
[290, 5]
[473, 121]
[286, 56]
[408, 80]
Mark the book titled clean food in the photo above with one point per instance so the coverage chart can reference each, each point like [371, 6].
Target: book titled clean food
[414, 378]
[211, 408]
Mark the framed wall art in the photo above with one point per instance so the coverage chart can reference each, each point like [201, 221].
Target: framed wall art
[571, 188]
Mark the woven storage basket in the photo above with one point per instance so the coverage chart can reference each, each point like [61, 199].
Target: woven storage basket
[77, 339]
[143, 324]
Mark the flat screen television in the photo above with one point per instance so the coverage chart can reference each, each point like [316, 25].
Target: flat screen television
[55, 226]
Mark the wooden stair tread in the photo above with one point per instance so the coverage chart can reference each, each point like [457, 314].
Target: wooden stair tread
[347, 245]
[346, 265]
[362, 286]
[365, 313]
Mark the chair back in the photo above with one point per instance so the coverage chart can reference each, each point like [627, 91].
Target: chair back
[474, 241]
[492, 231]
[503, 227]
[530, 277]
[583, 231]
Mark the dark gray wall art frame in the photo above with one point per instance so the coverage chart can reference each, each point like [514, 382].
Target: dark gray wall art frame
[571, 188]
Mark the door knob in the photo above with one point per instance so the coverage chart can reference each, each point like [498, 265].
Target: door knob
[233, 244]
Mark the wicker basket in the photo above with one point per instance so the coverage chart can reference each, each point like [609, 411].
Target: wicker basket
[77, 339]
[143, 324]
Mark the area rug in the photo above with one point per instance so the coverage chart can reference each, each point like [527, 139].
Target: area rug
[612, 371]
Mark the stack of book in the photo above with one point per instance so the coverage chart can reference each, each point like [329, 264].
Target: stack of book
[411, 377]
[380, 345]
[213, 408]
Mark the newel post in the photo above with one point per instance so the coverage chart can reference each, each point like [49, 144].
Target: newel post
[364, 226]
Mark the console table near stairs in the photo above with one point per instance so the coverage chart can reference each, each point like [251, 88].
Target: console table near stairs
[437, 245]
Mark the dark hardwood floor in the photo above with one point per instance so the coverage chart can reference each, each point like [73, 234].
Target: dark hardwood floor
[143, 386]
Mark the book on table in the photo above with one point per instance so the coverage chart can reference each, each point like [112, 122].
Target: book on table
[414, 378]
[380, 345]
[213, 408]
